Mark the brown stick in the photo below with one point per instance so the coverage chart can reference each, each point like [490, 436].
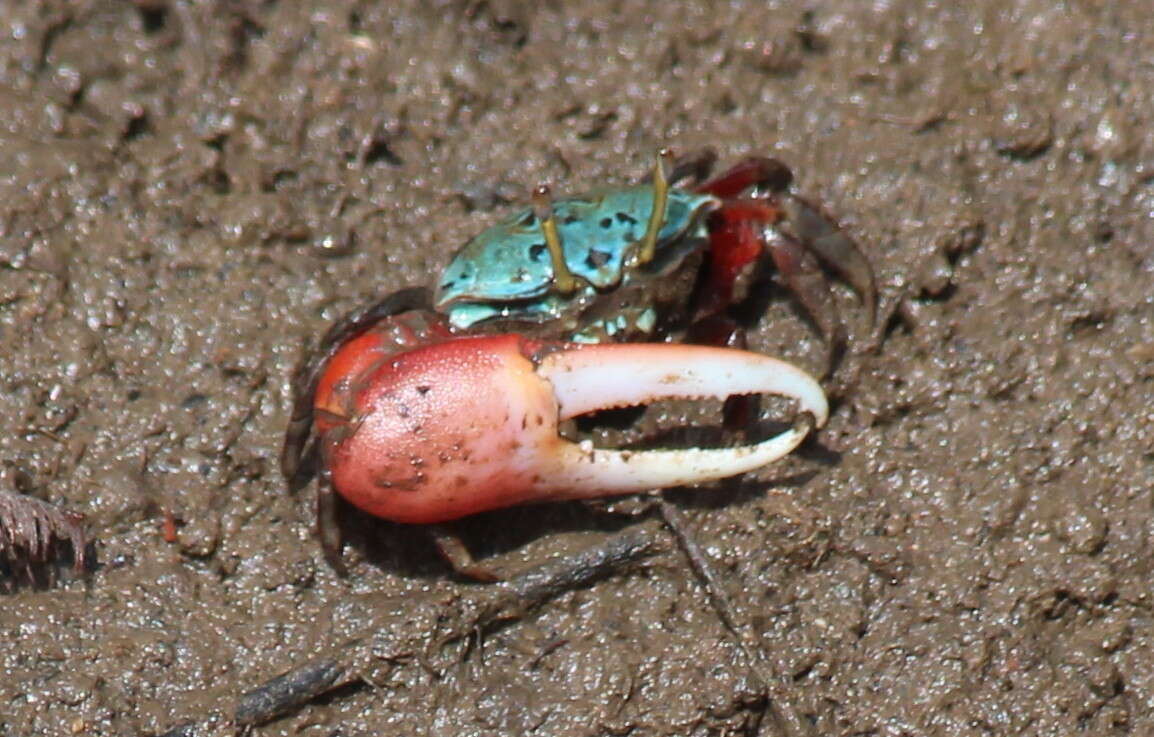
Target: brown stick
[780, 706]
[366, 656]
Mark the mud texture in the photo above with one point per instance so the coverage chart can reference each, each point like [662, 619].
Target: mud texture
[191, 191]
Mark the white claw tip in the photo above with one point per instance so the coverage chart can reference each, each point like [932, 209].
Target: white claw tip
[589, 378]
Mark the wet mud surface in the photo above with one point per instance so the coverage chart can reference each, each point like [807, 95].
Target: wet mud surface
[189, 192]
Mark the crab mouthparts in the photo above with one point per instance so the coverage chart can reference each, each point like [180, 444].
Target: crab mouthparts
[590, 378]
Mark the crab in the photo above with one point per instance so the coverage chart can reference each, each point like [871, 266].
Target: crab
[424, 408]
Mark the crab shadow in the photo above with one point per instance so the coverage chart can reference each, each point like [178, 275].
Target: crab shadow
[513, 533]
[493, 538]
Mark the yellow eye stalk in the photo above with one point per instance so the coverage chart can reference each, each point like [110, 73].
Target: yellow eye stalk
[563, 278]
[660, 199]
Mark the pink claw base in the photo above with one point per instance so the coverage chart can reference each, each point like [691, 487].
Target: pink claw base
[470, 424]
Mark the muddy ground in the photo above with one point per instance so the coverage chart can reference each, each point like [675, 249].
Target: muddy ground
[189, 192]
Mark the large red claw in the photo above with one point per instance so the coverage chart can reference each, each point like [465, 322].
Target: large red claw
[470, 424]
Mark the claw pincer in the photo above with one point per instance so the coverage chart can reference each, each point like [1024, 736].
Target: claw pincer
[470, 424]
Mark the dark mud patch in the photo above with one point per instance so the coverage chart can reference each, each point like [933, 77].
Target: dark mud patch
[189, 191]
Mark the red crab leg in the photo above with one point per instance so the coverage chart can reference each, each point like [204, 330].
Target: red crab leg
[735, 243]
[809, 229]
[743, 228]
[746, 174]
[471, 424]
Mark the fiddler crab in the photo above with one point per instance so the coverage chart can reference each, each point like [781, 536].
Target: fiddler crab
[422, 409]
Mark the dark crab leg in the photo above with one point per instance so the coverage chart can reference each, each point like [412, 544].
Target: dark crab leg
[693, 167]
[804, 278]
[821, 235]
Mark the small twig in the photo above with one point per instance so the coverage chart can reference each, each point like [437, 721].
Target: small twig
[780, 704]
[289, 692]
[352, 661]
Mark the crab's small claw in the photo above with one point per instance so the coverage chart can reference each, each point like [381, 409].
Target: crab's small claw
[471, 424]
